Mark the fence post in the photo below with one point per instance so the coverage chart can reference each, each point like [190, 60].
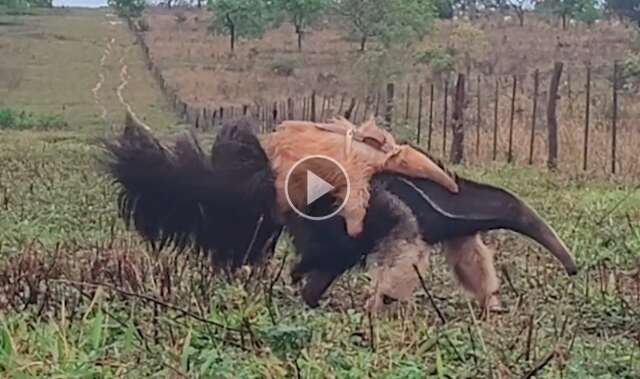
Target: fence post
[304, 108]
[367, 104]
[513, 110]
[419, 114]
[407, 99]
[457, 123]
[349, 112]
[552, 121]
[614, 123]
[313, 106]
[430, 132]
[587, 115]
[388, 112]
[536, 83]
[323, 107]
[478, 118]
[354, 112]
[290, 108]
[444, 118]
[495, 119]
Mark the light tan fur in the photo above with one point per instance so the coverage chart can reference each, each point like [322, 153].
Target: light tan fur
[296, 140]
[391, 263]
[472, 263]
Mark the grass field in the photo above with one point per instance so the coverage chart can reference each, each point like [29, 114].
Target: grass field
[81, 297]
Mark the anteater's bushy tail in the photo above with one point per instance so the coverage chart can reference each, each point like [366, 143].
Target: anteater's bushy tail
[182, 198]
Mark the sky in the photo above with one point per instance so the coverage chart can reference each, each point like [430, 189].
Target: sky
[80, 3]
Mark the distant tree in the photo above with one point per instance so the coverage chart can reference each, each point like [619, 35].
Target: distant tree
[589, 14]
[129, 8]
[301, 13]
[392, 21]
[444, 9]
[518, 7]
[240, 18]
[15, 4]
[625, 8]
[566, 9]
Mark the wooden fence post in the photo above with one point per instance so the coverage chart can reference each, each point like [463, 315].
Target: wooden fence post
[614, 121]
[444, 118]
[313, 106]
[388, 112]
[355, 112]
[290, 108]
[430, 130]
[478, 118]
[495, 120]
[349, 112]
[407, 99]
[587, 115]
[536, 84]
[324, 107]
[304, 108]
[457, 123]
[513, 110]
[419, 114]
[552, 120]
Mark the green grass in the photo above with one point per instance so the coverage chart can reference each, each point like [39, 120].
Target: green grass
[166, 316]
[59, 227]
[51, 62]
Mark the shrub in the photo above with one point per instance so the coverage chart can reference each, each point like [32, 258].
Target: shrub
[284, 67]
[21, 120]
[441, 60]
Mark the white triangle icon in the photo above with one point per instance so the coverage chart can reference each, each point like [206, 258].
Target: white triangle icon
[316, 187]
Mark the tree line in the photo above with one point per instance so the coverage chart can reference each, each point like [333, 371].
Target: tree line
[391, 22]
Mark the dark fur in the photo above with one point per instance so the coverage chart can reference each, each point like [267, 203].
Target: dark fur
[182, 198]
[327, 251]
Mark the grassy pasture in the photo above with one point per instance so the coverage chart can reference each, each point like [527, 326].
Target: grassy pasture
[82, 297]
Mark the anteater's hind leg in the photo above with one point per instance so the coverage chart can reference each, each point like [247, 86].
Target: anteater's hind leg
[472, 263]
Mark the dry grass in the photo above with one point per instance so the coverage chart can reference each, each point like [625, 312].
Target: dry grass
[200, 70]
[203, 71]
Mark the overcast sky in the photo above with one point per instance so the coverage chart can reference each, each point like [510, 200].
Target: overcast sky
[80, 3]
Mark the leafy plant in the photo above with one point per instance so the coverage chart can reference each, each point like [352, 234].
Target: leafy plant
[284, 67]
[13, 119]
[241, 18]
[394, 22]
[301, 13]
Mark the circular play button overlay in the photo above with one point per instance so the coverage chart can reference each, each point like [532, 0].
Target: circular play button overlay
[315, 187]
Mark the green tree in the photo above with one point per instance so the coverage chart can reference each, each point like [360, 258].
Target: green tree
[444, 9]
[17, 4]
[301, 13]
[625, 8]
[129, 8]
[589, 14]
[566, 9]
[392, 21]
[240, 18]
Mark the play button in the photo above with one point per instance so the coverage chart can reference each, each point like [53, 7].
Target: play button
[317, 187]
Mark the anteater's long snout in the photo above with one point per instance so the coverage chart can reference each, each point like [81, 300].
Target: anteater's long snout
[533, 226]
